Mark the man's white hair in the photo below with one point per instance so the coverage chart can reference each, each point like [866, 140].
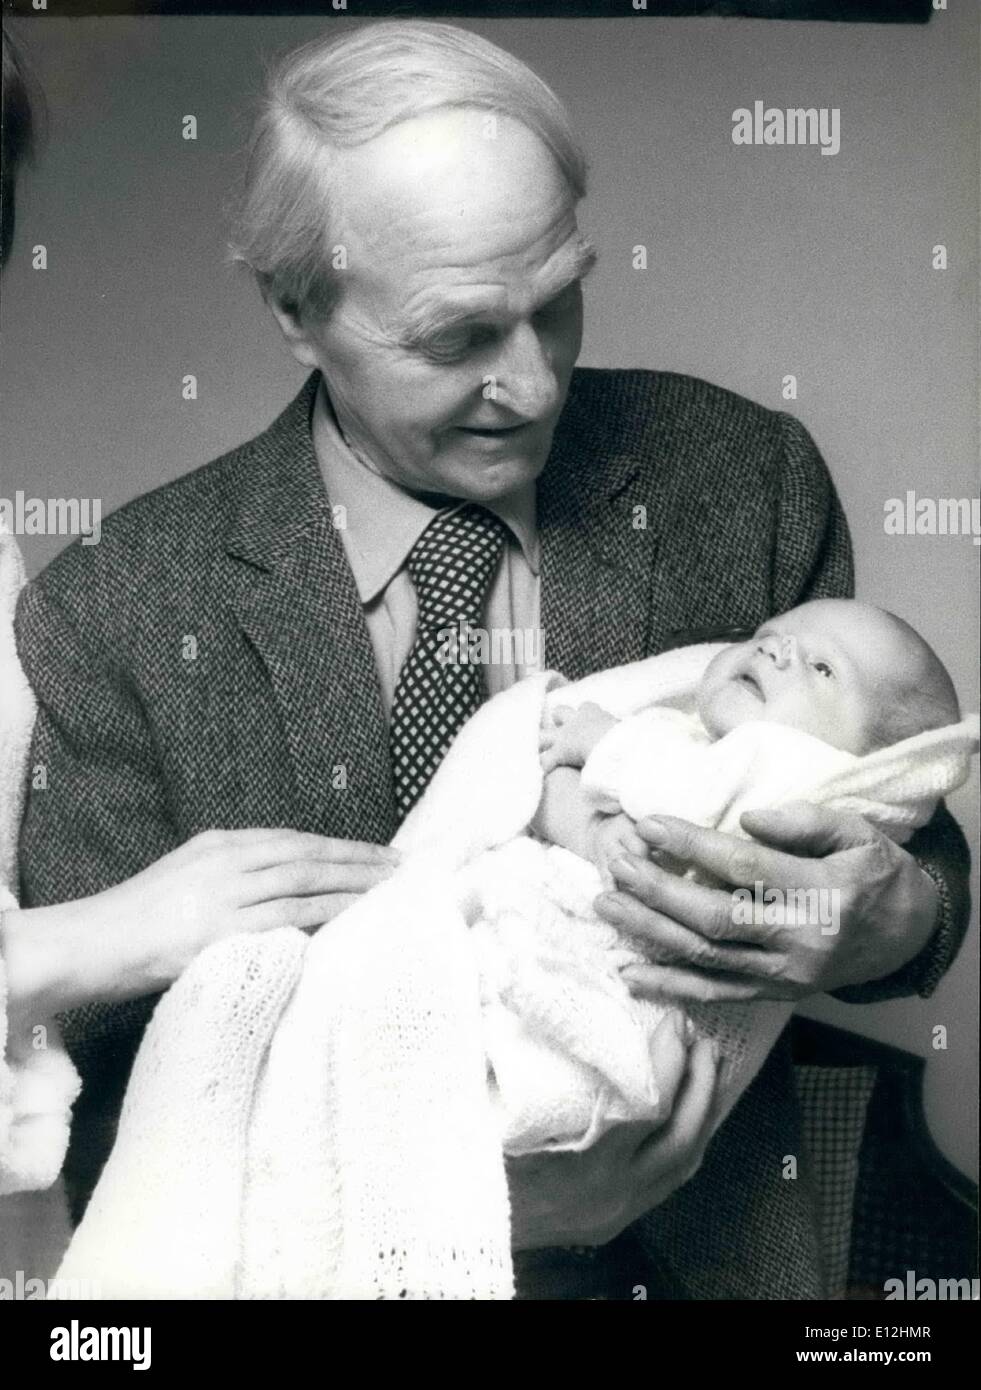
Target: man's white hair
[339, 92]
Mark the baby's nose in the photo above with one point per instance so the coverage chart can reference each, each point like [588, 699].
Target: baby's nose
[780, 650]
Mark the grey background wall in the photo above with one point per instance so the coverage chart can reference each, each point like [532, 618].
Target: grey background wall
[763, 261]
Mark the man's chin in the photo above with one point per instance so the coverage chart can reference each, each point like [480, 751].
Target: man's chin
[488, 480]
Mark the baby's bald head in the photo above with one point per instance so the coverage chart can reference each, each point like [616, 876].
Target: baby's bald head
[918, 693]
[856, 676]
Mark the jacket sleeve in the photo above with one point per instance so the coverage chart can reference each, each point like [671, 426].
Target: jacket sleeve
[100, 818]
[101, 815]
[813, 559]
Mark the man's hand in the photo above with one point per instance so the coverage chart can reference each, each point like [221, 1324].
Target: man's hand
[573, 735]
[588, 1198]
[874, 908]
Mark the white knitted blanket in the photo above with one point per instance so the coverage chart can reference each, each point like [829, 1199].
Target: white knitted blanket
[312, 1118]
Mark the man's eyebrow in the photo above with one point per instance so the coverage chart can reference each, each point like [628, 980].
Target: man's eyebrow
[439, 317]
[586, 256]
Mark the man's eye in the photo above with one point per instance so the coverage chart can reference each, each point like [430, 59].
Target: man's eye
[456, 343]
[822, 668]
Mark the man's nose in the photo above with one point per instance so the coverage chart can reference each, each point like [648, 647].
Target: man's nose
[526, 379]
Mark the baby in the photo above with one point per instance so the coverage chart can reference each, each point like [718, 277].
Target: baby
[844, 674]
[835, 702]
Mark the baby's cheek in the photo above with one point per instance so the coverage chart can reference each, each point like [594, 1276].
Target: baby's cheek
[718, 709]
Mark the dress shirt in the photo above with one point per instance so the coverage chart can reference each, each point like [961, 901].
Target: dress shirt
[379, 523]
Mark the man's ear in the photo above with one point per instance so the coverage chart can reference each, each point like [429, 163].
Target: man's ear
[298, 338]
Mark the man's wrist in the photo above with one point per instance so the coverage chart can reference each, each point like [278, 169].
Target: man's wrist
[923, 966]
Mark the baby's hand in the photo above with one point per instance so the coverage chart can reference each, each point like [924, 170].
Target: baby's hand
[573, 735]
[613, 837]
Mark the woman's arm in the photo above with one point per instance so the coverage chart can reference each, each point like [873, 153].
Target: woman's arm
[136, 938]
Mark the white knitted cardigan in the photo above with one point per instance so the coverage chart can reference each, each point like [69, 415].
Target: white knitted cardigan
[310, 1118]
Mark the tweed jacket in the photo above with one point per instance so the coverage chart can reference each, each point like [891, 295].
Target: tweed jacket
[669, 510]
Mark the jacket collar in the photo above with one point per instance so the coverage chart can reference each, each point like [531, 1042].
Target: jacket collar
[297, 603]
[597, 548]
[283, 495]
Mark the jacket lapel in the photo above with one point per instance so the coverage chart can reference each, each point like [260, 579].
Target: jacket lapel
[597, 551]
[295, 599]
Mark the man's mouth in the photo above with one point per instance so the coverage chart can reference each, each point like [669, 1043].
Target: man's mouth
[491, 434]
[496, 432]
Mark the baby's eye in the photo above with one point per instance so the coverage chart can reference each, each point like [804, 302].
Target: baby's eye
[822, 668]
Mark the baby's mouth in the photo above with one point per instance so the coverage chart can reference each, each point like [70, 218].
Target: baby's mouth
[752, 684]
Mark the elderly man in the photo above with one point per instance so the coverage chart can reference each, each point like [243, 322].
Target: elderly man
[411, 219]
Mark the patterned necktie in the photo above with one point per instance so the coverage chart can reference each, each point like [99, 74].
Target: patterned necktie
[451, 564]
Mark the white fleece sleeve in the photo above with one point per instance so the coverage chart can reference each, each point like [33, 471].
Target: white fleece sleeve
[38, 1086]
[655, 762]
[38, 1083]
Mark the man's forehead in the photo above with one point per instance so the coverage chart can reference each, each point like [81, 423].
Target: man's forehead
[505, 285]
[410, 192]
[458, 239]
[460, 146]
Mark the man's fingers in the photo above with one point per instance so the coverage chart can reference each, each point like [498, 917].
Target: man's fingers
[666, 941]
[809, 831]
[695, 1109]
[669, 1061]
[669, 1057]
[660, 982]
[707, 911]
[729, 859]
[683, 1138]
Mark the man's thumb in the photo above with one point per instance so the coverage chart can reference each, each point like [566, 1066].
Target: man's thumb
[806, 830]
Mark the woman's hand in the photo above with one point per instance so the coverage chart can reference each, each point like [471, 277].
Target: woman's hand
[588, 1198]
[137, 937]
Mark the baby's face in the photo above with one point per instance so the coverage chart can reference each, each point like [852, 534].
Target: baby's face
[824, 668]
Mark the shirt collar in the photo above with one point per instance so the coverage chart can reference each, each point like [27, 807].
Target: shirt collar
[382, 521]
